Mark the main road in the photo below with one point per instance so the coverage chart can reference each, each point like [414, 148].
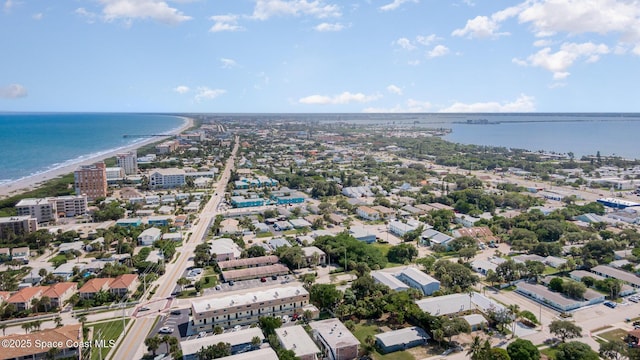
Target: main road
[132, 346]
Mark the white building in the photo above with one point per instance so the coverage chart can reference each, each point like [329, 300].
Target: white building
[128, 161]
[40, 209]
[114, 174]
[296, 339]
[149, 236]
[167, 178]
[232, 310]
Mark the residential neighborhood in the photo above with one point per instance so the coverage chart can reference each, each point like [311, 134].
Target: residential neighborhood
[283, 239]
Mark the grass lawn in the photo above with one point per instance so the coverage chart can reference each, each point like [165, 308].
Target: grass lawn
[548, 270]
[384, 248]
[213, 281]
[109, 330]
[363, 330]
[617, 334]
[549, 353]
[264, 235]
[58, 259]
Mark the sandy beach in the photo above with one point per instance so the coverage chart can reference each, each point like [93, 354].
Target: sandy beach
[32, 182]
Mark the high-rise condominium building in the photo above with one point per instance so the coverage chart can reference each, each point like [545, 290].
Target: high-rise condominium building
[128, 161]
[91, 180]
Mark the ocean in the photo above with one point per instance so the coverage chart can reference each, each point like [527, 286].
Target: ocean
[35, 143]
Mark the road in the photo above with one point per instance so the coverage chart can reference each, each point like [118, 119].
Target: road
[132, 346]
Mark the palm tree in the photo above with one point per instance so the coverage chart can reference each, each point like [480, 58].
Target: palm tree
[255, 342]
[153, 343]
[27, 327]
[52, 353]
[3, 327]
[475, 348]
[45, 302]
[58, 321]
[182, 282]
[514, 309]
[166, 339]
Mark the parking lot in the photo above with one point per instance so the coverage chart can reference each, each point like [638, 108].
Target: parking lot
[178, 320]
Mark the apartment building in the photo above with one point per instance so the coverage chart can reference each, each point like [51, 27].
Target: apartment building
[70, 206]
[368, 213]
[91, 180]
[167, 178]
[128, 161]
[40, 209]
[64, 339]
[17, 225]
[233, 310]
[335, 340]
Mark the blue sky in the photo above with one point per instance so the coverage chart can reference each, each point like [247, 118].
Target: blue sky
[320, 55]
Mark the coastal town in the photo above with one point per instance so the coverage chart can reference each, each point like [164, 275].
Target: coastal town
[276, 238]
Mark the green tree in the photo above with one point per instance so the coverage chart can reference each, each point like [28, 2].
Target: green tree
[325, 296]
[613, 350]
[556, 284]
[402, 253]
[269, 324]
[575, 350]
[522, 349]
[565, 329]
[152, 343]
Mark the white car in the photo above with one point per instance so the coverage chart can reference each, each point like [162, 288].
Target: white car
[166, 330]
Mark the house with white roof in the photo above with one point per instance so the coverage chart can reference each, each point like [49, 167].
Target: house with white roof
[149, 236]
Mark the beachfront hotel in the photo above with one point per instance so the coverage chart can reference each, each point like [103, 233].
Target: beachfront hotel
[233, 310]
[91, 180]
[128, 161]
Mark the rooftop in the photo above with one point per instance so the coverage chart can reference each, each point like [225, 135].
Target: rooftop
[402, 336]
[296, 338]
[334, 333]
[64, 334]
[233, 338]
[200, 306]
[618, 274]
[450, 304]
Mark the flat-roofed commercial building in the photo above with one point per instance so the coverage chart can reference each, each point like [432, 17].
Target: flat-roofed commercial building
[18, 225]
[262, 354]
[258, 261]
[240, 342]
[255, 272]
[611, 272]
[402, 277]
[233, 310]
[167, 178]
[556, 300]
[296, 339]
[91, 180]
[336, 341]
[70, 205]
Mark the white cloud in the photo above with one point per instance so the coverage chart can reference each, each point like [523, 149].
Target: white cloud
[265, 9]
[205, 93]
[228, 63]
[480, 27]
[519, 62]
[405, 44]
[424, 40]
[395, 4]
[129, 10]
[13, 91]
[324, 27]
[542, 42]
[437, 51]
[411, 106]
[344, 98]
[225, 23]
[87, 15]
[523, 103]
[37, 16]
[181, 89]
[414, 62]
[560, 61]
[8, 5]
[394, 89]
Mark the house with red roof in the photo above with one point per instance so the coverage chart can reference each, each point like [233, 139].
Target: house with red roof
[124, 284]
[60, 293]
[94, 286]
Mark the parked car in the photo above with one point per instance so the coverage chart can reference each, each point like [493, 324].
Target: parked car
[176, 312]
[202, 334]
[144, 308]
[274, 277]
[263, 279]
[610, 304]
[166, 330]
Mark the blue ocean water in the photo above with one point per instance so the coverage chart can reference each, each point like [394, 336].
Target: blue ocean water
[33, 143]
[611, 135]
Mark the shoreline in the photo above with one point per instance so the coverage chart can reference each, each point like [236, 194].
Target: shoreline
[32, 182]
